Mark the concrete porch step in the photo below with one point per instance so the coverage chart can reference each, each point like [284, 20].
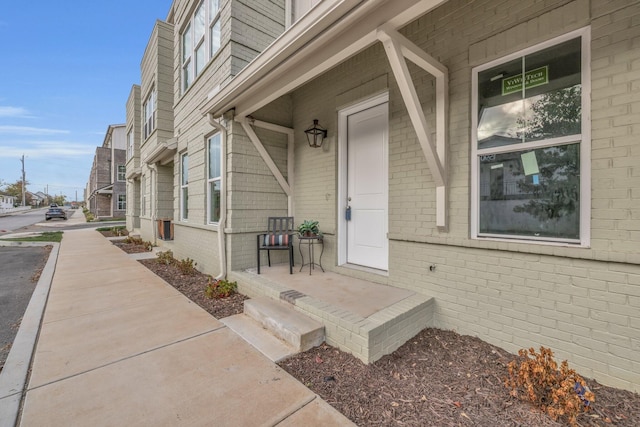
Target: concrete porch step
[263, 340]
[294, 328]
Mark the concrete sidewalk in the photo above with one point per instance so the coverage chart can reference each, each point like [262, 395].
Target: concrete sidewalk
[119, 346]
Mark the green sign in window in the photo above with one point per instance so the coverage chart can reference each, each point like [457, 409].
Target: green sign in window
[533, 78]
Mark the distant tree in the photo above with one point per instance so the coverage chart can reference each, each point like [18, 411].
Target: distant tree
[58, 200]
[15, 189]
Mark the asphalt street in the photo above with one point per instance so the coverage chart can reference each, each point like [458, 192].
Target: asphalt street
[16, 221]
[30, 220]
[17, 268]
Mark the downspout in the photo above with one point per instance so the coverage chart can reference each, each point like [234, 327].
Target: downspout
[153, 212]
[223, 200]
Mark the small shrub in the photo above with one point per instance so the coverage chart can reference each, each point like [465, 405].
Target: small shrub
[134, 240]
[220, 288]
[561, 393]
[119, 230]
[165, 258]
[187, 266]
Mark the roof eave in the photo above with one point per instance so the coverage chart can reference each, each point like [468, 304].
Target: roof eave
[340, 29]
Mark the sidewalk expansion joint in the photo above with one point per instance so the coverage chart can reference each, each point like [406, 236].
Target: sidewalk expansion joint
[127, 358]
[302, 405]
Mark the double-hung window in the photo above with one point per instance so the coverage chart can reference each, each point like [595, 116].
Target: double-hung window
[214, 179]
[130, 145]
[122, 202]
[530, 144]
[149, 108]
[122, 172]
[295, 9]
[143, 196]
[200, 40]
[184, 187]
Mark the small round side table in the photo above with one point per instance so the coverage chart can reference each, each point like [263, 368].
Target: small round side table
[311, 242]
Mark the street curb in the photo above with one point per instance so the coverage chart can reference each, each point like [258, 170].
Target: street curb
[13, 378]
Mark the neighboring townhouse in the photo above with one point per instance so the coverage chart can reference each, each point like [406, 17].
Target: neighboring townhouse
[151, 144]
[106, 194]
[486, 152]
[169, 141]
[40, 199]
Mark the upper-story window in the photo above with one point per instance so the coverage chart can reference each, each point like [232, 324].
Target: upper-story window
[297, 8]
[130, 145]
[122, 172]
[200, 40]
[530, 151]
[149, 109]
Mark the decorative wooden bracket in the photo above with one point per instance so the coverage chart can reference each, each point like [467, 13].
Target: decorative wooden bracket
[398, 49]
[287, 187]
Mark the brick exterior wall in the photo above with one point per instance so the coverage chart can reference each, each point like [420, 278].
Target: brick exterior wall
[104, 173]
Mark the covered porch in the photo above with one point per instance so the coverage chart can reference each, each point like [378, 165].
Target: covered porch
[361, 317]
[344, 63]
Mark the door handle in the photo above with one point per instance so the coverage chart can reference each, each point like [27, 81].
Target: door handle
[347, 213]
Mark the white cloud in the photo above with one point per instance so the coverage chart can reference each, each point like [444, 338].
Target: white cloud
[47, 149]
[6, 111]
[26, 130]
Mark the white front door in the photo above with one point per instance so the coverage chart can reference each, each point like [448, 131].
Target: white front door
[367, 191]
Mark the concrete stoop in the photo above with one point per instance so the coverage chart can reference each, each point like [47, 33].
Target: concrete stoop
[367, 337]
[276, 330]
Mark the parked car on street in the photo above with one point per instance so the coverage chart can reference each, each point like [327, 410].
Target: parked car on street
[55, 213]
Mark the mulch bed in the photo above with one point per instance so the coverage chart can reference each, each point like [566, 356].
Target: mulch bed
[130, 248]
[438, 378]
[122, 233]
[193, 287]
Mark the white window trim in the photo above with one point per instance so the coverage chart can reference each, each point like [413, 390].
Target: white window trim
[188, 59]
[292, 14]
[584, 141]
[121, 176]
[184, 186]
[149, 113]
[122, 204]
[212, 180]
[130, 145]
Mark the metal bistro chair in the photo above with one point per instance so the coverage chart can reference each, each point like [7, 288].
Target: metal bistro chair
[279, 237]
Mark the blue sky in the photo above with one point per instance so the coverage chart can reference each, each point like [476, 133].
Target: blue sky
[66, 70]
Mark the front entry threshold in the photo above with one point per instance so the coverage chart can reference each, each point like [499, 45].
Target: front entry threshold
[384, 273]
[363, 318]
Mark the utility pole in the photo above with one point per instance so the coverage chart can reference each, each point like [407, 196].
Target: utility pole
[23, 182]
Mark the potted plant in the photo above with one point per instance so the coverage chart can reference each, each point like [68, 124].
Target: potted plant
[309, 228]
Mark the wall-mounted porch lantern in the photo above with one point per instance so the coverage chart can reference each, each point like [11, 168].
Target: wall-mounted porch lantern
[316, 134]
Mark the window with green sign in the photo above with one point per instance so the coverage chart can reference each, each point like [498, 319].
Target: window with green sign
[529, 144]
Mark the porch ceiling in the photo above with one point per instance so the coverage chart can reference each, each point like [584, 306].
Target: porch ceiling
[331, 33]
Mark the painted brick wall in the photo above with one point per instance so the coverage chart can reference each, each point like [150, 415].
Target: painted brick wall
[198, 244]
[254, 192]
